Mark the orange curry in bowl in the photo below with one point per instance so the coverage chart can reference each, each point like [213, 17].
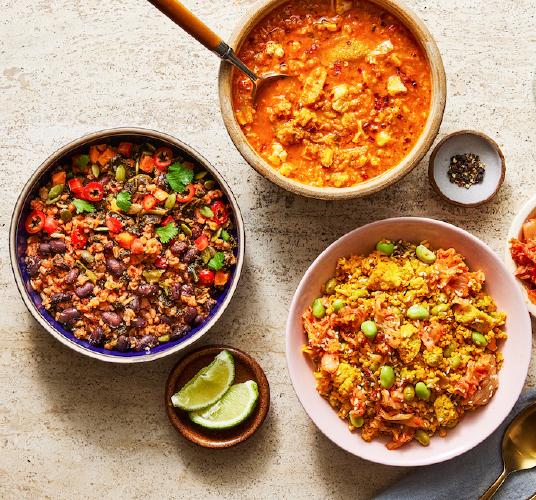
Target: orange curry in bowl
[357, 100]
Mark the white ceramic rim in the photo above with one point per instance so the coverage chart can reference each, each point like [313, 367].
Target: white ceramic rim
[63, 151]
[301, 392]
[528, 209]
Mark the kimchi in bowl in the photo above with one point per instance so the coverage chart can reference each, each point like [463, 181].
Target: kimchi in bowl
[361, 108]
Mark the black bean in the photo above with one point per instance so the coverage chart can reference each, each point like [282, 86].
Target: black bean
[199, 319]
[147, 341]
[179, 247]
[189, 314]
[115, 267]
[123, 344]
[108, 246]
[196, 231]
[162, 182]
[134, 304]
[96, 337]
[165, 319]
[190, 255]
[139, 323]
[71, 276]
[113, 320]
[69, 316]
[85, 290]
[58, 246]
[60, 297]
[176, 291]
[179, 331]
[44, 248]
[33, 263]
[147, 290]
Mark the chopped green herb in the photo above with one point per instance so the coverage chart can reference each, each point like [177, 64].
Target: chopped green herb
[179, 176]
[82, 161]
[206, 212]
[123, 201]
[225, 236]
[167, 233]
[83, 206]
[216, 263]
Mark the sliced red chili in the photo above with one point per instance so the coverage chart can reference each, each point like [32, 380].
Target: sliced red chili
[75, 186]
[148, 202]
[35, 222]
[201, 243]
[93, 191]
[220, 212]
[162, 158]
[206, 277]
[78, 238]
[50, 225]
[168, 220]
[113, 224]
[189, 196]
[125, 149]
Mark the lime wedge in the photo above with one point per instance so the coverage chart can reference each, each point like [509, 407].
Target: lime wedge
[237, 405]
[208, 385]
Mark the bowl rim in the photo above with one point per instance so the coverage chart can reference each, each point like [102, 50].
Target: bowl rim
[46, 165]
[442, 142]
[437, 108]
[528, 208]
[293, 369]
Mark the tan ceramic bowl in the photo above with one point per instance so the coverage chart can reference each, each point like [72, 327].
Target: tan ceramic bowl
[439, 93]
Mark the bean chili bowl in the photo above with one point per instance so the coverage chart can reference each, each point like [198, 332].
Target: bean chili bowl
[141, 256]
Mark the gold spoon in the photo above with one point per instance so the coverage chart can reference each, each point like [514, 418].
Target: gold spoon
[180, 15]
[518, 447]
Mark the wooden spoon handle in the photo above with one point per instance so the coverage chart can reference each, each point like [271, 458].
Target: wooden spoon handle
[180, 15]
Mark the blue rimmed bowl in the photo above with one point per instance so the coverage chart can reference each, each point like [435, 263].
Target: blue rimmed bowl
[17, 247]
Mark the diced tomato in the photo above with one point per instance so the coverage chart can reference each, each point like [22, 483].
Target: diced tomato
[221, 278]
[160, 194]
[125, 149]
[162, 158]
[75, 186]
[114, 224]
[161, 263]
[168, 220]
[137, 247]
[78, 238]
[201, 243]
[50, 225]
[206, 277]
[220, 212]
[93, 191]
[125, 240]
[59, 178]
[185, 198]
[146, 164]
[148, 202]
[34, 222]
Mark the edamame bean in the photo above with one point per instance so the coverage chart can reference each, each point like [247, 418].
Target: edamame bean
[95, 170]
[120, 173]
[319, 311]
[425, 255]
[66, 215]
[439, 308]
[357, 421]
[418, 311]
[338, 304]
[225, 236]
[361, 292]
[422, 437]
[409, 393]
[422, 391]
[455, 361]
[479, 339]
[55, 191]
[330, 285]
[170, 201]
[369, 329]
[387, 376]
[385, 247]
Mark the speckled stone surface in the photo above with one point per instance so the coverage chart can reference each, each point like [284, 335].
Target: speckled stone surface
[75, 428]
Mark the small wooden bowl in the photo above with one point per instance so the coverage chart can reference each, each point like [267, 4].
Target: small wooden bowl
[423, 144]
[246, 368]
[467, 141]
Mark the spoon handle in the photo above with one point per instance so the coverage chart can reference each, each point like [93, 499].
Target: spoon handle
[180, 15]
[495, 486]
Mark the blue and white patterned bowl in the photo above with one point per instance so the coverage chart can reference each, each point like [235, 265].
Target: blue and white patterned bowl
[17, 246]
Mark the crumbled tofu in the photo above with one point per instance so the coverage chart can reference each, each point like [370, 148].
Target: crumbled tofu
[351, 50]
[396, 60]
[382, 138]
[383, 48]
[278, 154]
[304, 116]
[281, 109]
[286, 169]
[274, 49]
[339, 93]
[245, 116]
[339, 178]
[395, 85]
[288, 133]
[326, 157]
[325, 25]
[313, 85]
[342, 6]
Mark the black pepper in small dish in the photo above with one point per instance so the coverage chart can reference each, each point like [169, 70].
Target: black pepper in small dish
[466, 170]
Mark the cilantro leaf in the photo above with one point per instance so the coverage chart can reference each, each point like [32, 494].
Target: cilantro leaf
[167, 233]
[179, 176]
[83, 206]
[216, 263]
[123, 201]
[82, 161]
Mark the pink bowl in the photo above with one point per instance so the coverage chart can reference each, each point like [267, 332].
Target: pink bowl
[500, 284]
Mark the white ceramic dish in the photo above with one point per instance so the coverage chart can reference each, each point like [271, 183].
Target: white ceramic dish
[467, 141]
[528, 210]
[500, 283]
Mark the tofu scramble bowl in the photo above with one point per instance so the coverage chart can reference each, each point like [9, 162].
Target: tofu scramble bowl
[404, 341]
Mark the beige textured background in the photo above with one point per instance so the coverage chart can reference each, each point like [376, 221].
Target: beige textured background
[75, 428]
